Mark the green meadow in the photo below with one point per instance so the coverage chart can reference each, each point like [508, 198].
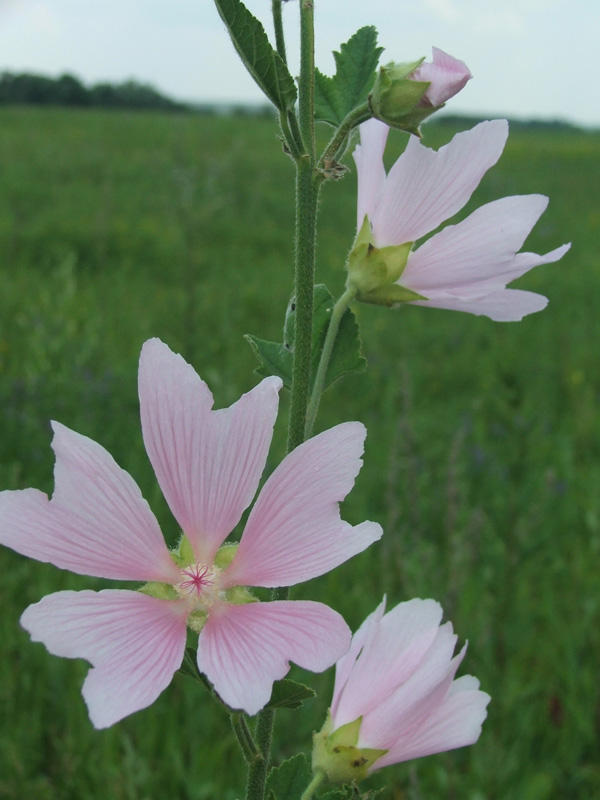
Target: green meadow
[482, 460]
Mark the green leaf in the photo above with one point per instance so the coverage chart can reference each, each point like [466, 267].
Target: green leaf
[260, 59]
[290, 779]
[351, 793]
[276, 358]
[289, 694]
[189, 667]
[355, 65]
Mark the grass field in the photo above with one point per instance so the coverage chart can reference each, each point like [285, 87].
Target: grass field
[482, 461]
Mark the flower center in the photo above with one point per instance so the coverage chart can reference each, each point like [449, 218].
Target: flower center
[194, 580]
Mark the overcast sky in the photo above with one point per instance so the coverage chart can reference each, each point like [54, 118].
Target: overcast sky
[529, 58]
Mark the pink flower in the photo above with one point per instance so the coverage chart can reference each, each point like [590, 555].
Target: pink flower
[208, 464]
[395, 693]
[446, 76]
[464, 267]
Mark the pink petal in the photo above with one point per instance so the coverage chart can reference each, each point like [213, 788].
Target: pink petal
[456, 722]
[425, 187]
[506, 305]
[294, 532]
[208, 463]
[397, 650]
[243, 649]
[390, 723]
[362, 639]
[370, 172]
[133, 641]
[447, 76]
[479, 255]
[97, 522]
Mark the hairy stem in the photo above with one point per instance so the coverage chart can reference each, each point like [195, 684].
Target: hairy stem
[278, 25]
[244, 737]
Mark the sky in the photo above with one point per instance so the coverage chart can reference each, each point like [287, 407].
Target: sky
[529, 58]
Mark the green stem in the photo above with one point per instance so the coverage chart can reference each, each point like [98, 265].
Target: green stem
[244, 737]
[307, 190]
[306, 82]
[278, 25]
[308, 183]
[317, 780]
[332, 331]
[360, 114]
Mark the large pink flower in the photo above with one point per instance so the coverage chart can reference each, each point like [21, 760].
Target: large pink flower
[465, 267]
[396, 683]
[208, 464]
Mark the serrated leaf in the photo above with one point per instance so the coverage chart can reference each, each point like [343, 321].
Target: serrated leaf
[276, 358]
[289, 694]
[355, 64]
[289, 780]
[260, 59]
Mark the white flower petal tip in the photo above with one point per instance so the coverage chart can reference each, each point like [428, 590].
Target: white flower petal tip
[246, 648]
[446, 75]
[464, 267]
[398, 679]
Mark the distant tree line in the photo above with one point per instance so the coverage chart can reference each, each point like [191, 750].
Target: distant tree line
[28, 89]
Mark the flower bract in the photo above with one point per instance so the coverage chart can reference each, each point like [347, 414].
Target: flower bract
[208, 464]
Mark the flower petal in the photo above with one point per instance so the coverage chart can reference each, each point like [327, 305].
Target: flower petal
[370, 172]
[243, 649]
[446, 75]
[361, 639]
[97, 522]
[294, 532]
[479, 255]
[456, 722]
[398, 647]
[506, 305]
[208, 463]
[389, 724]
[425, 187]
[134, 643]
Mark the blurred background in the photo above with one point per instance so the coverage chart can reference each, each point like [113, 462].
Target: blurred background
[144, 193]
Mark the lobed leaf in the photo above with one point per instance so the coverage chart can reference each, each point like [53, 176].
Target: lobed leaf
[289, 780]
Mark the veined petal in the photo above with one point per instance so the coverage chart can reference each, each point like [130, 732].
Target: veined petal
[415, 698]
[370, 171]
[505, 305]
[446, 75]
[208, 463]
[134, 643]
[425, 187]
[399, 646]
[455, 722]
[97, 522]
[294, 532]
[480, 254]
[343, 669]
[243, 649]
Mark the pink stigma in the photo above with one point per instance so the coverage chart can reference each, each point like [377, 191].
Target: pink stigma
[198, 576]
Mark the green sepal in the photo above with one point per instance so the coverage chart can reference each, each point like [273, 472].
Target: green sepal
[277, 358]
[289, 780]
[164, 591]
[395, 97]
[225, 555]
[260, 59]
[336, 755]
[183, 555]
[289, 694]
[355, 63]
[391, 295]
[371, 267]
[240, 596]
